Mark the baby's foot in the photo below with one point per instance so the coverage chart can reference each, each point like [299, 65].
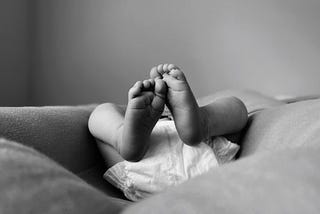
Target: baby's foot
[146, 101]
[181, 102]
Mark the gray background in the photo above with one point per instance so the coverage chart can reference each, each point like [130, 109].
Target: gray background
[79, 51]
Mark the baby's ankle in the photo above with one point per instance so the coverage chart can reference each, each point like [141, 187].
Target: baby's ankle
[119, 138]
[205, 124]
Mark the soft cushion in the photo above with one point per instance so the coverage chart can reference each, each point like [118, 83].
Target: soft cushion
[281, 182]
[32, 183]
[290, 126]
[61, 133]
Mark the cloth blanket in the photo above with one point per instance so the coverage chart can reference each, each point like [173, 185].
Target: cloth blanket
[32, 183]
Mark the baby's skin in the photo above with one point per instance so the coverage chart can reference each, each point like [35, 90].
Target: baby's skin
[146, 101]
[124, 133]
[181, 102]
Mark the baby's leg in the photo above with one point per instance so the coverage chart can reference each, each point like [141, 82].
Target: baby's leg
[127, 131]
[106, 124]
[223, 116]
[146, 101]
[181, 103]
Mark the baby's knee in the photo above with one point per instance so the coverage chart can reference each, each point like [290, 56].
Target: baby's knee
[239, 109]
[109, 108]
[101, 112]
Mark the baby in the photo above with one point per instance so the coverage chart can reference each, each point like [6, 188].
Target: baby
[146, 154]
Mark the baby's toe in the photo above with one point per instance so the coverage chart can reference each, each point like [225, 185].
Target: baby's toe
[162, 69]
[158, 71]
[172, 66]
[154, 74]
[160, 88]
[177, 74]
[166, 68]
[146, 84]
[135, 90]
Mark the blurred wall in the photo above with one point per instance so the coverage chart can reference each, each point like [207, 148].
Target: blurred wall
[14, 52]
[93, 51]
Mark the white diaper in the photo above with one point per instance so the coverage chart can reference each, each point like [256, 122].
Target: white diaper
[168, 162]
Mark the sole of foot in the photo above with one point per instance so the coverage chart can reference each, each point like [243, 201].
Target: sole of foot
[181, 102]
[146, 101]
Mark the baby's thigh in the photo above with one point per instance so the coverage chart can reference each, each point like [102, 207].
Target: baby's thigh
[253, 100]
[110, 155]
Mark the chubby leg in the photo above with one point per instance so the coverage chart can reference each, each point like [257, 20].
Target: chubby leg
[146, 101]
[123, 133]
[181, 102]
[225, 115]
[222, 116]
[106, 124]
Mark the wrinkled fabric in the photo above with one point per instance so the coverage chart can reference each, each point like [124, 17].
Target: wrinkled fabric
[168, 162]
[32, 183]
